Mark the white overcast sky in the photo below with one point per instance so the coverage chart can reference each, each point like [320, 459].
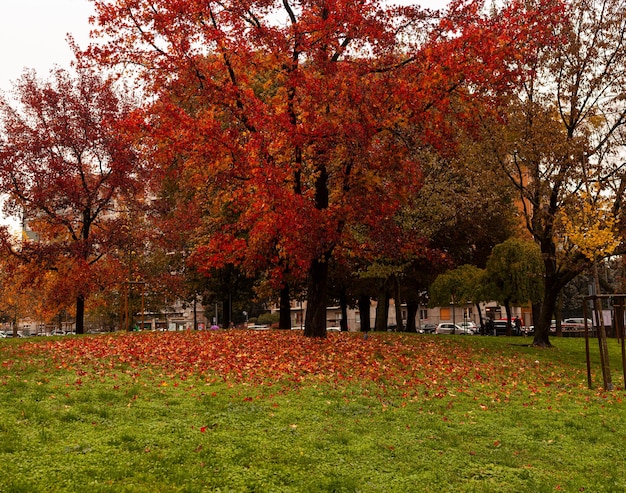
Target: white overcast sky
[33, 34]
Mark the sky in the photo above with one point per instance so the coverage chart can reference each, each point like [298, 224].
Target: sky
[33, 34]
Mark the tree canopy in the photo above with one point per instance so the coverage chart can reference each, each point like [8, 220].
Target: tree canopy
[294, 125]
[66, 167]
[562, 131]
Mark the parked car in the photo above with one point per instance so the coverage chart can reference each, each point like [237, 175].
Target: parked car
[427, 329]
[259, 327]
[469, 326]
[499, 328]
[450, 328]
[576, 324]
[9, 333]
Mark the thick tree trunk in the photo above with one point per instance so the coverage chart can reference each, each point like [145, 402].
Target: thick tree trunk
[481, 321]
[364, 313]
[80, 314]
[558, 315]
[542, 326]
[317, 288]
[284, 321]
[317, 285]
[536, 311]
[382, 310]
[554, 281]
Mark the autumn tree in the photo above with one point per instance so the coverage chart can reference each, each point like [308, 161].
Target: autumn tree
[565, 130]
[306, 114]
[514, 275]
[66, 167]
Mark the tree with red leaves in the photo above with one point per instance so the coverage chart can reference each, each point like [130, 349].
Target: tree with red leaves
[66, 167]
[294, 125]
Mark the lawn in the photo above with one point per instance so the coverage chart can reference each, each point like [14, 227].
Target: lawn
[268, 411]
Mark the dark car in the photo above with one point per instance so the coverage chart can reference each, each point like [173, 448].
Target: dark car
[427, 329]
[499, 328]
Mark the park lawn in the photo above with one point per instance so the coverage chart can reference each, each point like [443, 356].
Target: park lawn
[244, 411]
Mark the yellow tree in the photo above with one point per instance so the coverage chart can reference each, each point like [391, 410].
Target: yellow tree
[589, 226]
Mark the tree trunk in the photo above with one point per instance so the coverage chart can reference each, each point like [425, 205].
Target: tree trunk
[195, 313]
[226, 310]
[382, 310]
[558, 315]
[364, 313]
[284, 322]
[507, 310]
[317, 288]
[397, 303]
[412, 308]
[536, 313]
[481, 321]
[317, 285]
[554, 281]
[542, 326]
[343, 303]
[80, 314]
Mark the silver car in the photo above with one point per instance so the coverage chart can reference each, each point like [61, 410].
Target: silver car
[450, 328]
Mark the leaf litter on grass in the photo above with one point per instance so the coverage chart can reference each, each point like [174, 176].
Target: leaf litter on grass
[418, 403]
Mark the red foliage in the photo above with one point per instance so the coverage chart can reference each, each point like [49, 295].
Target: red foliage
[296, 124]
[68, 165]
[406, 365]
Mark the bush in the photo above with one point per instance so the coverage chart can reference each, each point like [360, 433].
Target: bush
[268, 318]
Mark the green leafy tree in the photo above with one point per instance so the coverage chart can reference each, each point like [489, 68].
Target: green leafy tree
[461, 285]
[514, 274]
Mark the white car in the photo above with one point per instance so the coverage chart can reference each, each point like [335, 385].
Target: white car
[576, 324]
[469, 327]
[450, 328]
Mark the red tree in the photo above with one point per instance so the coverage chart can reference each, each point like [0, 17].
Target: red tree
[297, 122]
[66, 168]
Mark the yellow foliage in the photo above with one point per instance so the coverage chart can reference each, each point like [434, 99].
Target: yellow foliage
[589, 225]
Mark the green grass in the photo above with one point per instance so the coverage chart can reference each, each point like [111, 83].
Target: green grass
[86, 430]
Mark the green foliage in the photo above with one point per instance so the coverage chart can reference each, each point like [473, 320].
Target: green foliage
[463, 284]
[515, 272]
[268, 318]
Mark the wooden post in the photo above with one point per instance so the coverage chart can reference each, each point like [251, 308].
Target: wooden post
[604, 350]
[585, 315]
[618, 306]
